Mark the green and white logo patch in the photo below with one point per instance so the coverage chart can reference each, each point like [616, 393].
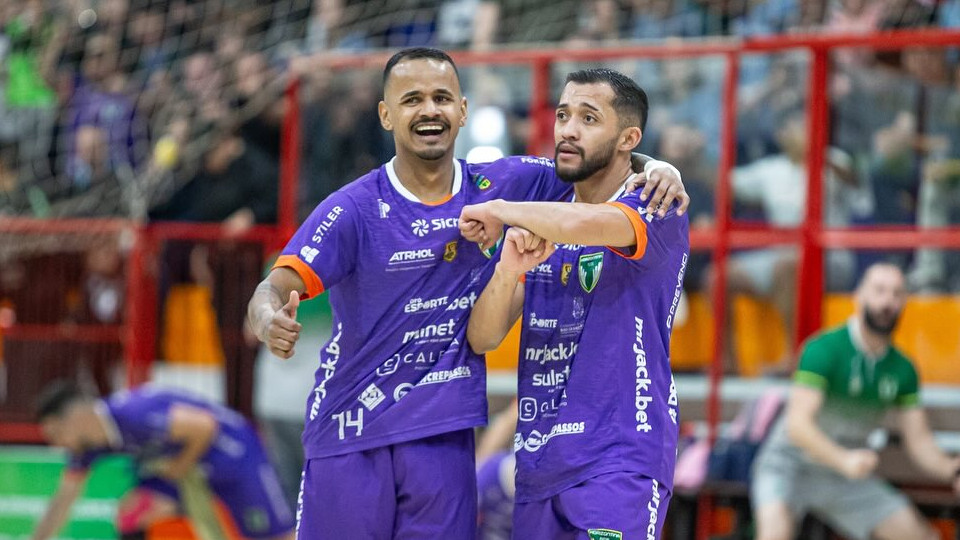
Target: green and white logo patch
[589, 269]
[604, 534]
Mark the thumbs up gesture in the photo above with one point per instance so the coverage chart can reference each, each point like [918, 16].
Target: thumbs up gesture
[283, 330]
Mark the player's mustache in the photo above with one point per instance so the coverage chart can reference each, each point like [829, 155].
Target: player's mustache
[441, 121]
[572, 146]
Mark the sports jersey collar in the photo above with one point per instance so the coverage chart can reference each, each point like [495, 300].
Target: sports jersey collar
[856, 337]
[403, 191]
[108, 423]
[616, 195]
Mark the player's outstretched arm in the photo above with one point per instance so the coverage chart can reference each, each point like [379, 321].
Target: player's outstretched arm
[802, 409]
[59, 508]
[564, 223]
[501, 301]
[195, 429]
[272, 311]
[923, 449]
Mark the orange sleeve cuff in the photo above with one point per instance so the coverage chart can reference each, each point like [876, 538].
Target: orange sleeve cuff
[309, 277]
[639, 230]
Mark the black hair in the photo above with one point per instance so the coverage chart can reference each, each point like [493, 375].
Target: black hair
[418, 53]
[56, 398]
[630, 101]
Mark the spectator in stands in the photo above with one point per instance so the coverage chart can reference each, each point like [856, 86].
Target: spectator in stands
[688, 93]
[343, 138]
[259, 102]
[661, 19]
[107, 140]
[935, 270]
[180, 443]
[203, 84]
[765, 102]
[329, 29]
[27, 100]
[237, 185]
[778, 184]
[817, 458]
[523, 21]
[148, 48]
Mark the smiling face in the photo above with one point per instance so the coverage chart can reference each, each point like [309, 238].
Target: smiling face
[424, 108]
[587, 130]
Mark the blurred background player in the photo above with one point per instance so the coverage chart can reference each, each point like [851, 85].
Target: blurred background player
[597, 434]
[397, 395]
[171, 436]
[496, 472]
[817, 458]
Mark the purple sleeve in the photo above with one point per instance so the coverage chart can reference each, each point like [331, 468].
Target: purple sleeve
[141, 417]
[658, 238]
[324, 249]
[521, 178]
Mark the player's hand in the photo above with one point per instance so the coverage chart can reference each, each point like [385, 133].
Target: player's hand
[859, 464]
[479, 223]
[282, 330]
[523, 251]
[662, 186]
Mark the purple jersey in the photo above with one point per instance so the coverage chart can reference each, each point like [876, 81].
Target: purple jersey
[402, 281]
[596, 394]
[138, 424]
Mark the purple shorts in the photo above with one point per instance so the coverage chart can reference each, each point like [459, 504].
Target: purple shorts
[613, 506]
[408, 491]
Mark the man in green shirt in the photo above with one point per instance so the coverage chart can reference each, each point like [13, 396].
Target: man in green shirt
[816, 458]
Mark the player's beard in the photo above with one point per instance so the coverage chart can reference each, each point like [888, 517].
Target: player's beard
[879, 322]
[588, 165]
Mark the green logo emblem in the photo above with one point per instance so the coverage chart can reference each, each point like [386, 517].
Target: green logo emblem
[887, 389]
[589, 270]
[604, 534]
[481, 181]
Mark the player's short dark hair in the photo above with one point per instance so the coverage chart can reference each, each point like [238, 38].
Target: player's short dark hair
[630, 101]
[418, 53]
[56, 398]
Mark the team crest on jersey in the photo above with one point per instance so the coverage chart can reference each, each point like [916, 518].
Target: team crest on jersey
[565, 273]
[604, 534]
[450, 252]
[887, 389]
[589, 269]
[481, 181]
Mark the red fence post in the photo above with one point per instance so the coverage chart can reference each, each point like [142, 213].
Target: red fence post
[810, 279]
[541, 116]
[140, 331]
[289, 165]
[721, 249]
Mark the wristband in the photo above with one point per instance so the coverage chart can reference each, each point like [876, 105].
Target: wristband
[655, 164]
